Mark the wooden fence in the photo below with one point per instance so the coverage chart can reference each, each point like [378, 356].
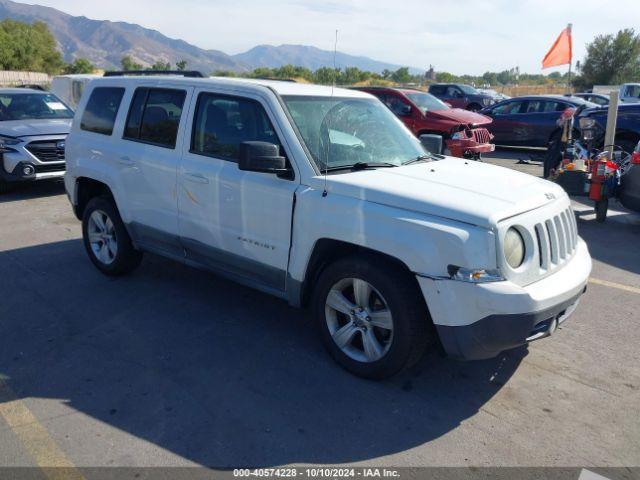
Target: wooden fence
[521, 90]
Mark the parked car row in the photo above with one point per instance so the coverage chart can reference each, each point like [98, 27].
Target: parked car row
[465, 132]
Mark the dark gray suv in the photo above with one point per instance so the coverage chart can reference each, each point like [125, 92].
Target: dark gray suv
[459, 95]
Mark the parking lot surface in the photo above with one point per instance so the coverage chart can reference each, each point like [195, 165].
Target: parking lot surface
[173, 366]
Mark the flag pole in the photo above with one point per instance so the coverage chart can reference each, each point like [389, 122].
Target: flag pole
[569, 27]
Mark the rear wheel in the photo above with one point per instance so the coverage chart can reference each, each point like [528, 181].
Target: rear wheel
[371, 315]
[106, 239]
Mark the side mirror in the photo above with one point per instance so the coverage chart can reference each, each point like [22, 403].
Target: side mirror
[432, 143]
[261, 157]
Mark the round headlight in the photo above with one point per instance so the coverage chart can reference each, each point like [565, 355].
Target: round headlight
[514, 248]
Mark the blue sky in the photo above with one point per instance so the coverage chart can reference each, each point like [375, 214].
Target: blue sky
[461, 36]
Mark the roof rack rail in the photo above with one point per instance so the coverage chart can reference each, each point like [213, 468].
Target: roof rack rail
[273, 79]
[184, 73]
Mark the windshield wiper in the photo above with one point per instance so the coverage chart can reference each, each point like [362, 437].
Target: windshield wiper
[420, 158]
[362, 166]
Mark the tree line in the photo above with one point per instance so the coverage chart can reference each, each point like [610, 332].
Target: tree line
[610, 59]
[327, 75]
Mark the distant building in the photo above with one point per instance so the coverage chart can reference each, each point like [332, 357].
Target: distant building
[430, 74]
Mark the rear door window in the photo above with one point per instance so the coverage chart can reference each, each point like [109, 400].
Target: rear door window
[99, 115]
[544, 106]
[509, 108]
[154, 116]
[222, 123]
[554, 107]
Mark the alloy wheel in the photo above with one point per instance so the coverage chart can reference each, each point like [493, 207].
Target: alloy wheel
[102, 237]
[359, 320]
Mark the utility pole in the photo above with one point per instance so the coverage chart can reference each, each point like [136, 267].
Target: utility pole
[612, 118]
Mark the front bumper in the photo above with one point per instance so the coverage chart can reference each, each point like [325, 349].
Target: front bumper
[24, 162]
[478, 321]
[474, 142]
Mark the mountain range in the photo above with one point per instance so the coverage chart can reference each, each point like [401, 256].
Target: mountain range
[104, 43]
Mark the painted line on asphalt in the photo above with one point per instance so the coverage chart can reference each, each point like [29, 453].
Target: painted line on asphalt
[35, 438]
[619, 286]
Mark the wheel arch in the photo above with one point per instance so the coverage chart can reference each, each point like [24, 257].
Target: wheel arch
[327, 251]
[86, 189]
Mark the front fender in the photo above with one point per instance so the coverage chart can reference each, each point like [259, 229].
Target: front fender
[424, 243]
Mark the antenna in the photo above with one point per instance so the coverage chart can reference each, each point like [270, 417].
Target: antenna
[333, 86]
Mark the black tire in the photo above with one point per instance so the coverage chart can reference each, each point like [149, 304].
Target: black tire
[601, 207]
[5, 187]
[553, 157]
[413, 331]
[126, 258]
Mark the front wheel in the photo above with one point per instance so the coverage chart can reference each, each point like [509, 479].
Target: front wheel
[372, 316]
[5, 187]
[106, 239]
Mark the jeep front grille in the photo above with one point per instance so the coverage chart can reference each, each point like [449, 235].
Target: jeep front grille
[481, 135]
[47, 150]
[557, 239]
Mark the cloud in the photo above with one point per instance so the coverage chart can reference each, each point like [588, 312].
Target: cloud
[465, 36]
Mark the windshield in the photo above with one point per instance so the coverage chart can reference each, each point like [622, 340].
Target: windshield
[341, 132]
[426, 102]
[29, 106]
[468, 90]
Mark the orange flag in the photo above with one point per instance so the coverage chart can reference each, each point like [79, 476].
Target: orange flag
[561, 52]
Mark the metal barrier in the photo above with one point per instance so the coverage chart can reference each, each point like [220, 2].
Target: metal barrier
[17, 79]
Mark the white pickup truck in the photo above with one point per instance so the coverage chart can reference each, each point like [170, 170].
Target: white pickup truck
[322, 197]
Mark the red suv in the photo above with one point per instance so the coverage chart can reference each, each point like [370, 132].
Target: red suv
[463, 131]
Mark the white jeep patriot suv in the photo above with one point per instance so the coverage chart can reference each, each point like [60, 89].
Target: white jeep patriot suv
[322, 197]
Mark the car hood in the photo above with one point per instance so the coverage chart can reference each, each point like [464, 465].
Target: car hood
[462, 116]
[453, 188]
[29, 128]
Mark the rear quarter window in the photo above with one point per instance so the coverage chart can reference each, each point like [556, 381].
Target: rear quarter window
[99, 115]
